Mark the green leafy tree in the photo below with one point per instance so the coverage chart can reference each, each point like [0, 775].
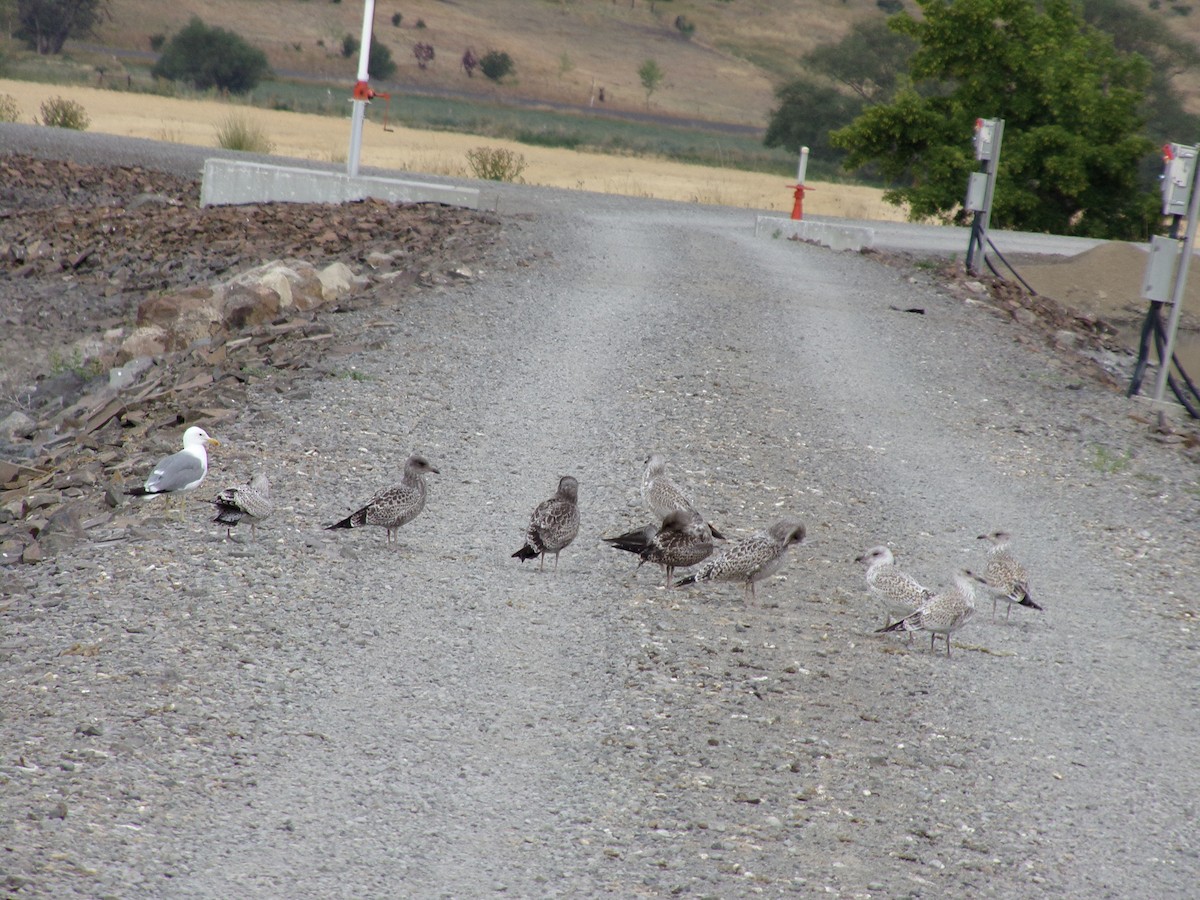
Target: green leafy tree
[45, 25]
[1073, 135]
[808, 111]
[651, 76]
[211, 58]
[380, 64]
[496, 65]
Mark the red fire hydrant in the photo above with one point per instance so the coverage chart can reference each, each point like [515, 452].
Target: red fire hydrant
[798, 203]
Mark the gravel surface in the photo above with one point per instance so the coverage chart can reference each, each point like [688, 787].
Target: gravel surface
[318, 715]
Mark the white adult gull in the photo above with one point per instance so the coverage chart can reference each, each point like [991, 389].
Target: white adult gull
[182, 471]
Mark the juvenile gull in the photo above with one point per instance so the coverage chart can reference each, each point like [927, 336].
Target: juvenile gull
[661, 495]
[898, 592]
[250, 501]
[397, 505]
[683, 539]
[553, 524]
[182, 471]
[1004, 576]
[944, 613]
[751, 559]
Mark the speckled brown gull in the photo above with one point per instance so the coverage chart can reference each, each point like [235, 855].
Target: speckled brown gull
[898, 592]
[661, 495]
[944, 613]
[553, 524]
[752, 559]
[394, 506]
[182, 471]
[683, 539]
[249, 502]
[1004, 576]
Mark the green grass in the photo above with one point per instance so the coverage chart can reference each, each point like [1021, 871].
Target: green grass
[1108, 461]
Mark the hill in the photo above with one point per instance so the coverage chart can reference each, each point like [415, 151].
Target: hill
[565, 52]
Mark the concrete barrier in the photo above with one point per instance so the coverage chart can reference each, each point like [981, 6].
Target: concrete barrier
[836, 237]
[228, 181]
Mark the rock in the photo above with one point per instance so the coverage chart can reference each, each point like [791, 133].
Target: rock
[17, 425]
[122, 377]
[247, 305]
[167, 309]
[149, 340]
[337, 280]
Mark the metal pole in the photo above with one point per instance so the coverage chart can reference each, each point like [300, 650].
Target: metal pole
[983, 218]
[360, 105]
[1189, 241]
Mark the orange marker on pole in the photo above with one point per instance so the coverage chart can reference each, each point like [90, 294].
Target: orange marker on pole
[798, 187]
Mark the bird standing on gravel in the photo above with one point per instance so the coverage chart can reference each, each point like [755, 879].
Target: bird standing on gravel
[394, 506]
[553, 524]
[944, 613]
[683, 539]
[661, 495]
[1004, 576]
[182, 471]
[250, 501]
[752, 559]
[899, 593]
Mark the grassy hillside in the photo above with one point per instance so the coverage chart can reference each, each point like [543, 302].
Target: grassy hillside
[564, 50]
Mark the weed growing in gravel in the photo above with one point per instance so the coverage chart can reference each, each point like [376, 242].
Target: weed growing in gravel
[1109, 462]
[237, 132]
[84, 368]
[60, 113]
[496, 163]
[355, 375]
[9, 111]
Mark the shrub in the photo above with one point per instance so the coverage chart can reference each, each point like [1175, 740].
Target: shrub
[211, 57]
[396, 19]
[237, 132]
[157, 41]
[424, 54]
[8, 108]
[350, 45]
[685, 26]
[380, 65]
[60, 113]
[496, 163]
[496, 64]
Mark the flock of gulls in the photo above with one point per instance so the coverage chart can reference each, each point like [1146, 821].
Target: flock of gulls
[679, 537]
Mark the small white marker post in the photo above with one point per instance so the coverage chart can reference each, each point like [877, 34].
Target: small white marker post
[361, 92]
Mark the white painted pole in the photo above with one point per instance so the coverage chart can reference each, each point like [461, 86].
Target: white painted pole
[803, 169]
[360, 105]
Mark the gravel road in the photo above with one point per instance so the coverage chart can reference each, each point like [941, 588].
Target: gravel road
[316, 715]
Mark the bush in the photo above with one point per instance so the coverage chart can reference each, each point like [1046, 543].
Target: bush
[685, 26]
[396, 19]
[8, 108]
[350, 45]
[237, 132]
[380, 65]
[60, 113]
[211, 57]
[157, 41]
[496, 163]
[496, 64]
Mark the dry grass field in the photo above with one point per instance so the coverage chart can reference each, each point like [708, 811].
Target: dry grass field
[325, 138]
[563, 49]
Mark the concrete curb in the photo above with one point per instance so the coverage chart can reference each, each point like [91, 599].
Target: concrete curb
[229, 181]
[836, 237]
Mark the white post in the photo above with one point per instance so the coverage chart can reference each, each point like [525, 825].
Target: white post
[803, 169]
[360, 105]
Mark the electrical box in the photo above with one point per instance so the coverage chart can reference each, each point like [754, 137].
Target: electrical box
[985, 139]
[1159, 283]
[976, 192]
[1179, 171]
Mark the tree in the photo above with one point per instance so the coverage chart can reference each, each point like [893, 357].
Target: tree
[379, 62]
[45, 25]
[1072, 135]
[651, 77]
[211, 58]
[424, 54]
[496, 64]
[808, 111]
